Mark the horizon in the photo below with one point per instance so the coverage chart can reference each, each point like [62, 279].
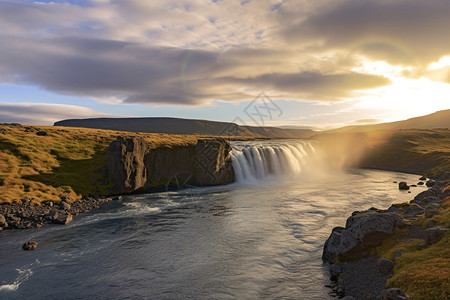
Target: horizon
[320, 65]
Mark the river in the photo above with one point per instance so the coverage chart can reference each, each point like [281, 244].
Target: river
[258, 238]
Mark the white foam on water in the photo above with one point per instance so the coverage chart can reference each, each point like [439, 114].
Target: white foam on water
[23, 276]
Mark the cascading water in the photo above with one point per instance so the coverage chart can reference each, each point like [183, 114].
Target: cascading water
[253, 161]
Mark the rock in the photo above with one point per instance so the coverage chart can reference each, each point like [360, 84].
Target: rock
[403, 186]
[385, 266]
[64, 205]
[421, 246]
[52, 215]
[29, 245]
[42, 133]
[126, 163]
[430, 183]
[335, 270]
[398, 253]
[362, 231]
[213, 162]
[421, 196]
[413, 185]
[64, 219]
[433, 235]
[394, 294]
[423, 178]
[348, 298]
[134, 165]
[420, 183]
[3, 223]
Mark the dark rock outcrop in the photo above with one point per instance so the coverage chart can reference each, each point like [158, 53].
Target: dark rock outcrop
[385, 266]
[29, 245]
[403, 186]
[362, 231]
[24, 216]
[126, 163]
[134, 165]
[364, 275]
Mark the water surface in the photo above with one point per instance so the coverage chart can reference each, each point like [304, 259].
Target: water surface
[242, 241]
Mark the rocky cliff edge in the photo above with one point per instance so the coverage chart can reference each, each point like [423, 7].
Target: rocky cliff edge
[134, 165]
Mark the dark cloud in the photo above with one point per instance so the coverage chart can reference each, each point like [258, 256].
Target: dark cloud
[141, 74]
[408, 32]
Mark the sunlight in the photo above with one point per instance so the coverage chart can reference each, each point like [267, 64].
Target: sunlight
[407, 98]
[442, 63]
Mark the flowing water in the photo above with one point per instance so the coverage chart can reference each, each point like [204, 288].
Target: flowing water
[258, 238]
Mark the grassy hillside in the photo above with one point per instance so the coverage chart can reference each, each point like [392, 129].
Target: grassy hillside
[68, 162]
[439, 119]
[412, 151]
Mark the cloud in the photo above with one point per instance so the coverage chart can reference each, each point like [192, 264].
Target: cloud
[43, 113]
[194, 52]
[409, 32]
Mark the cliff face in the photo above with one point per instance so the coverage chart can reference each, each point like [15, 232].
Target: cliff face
[135, 166]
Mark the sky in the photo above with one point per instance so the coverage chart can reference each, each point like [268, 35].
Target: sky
[306, 63]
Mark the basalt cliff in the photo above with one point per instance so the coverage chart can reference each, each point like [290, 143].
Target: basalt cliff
[134, 165]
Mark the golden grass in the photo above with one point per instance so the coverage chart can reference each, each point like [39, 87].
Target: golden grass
[67, 162]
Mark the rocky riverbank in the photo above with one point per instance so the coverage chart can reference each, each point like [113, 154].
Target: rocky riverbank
[24, 216]
[354, 253]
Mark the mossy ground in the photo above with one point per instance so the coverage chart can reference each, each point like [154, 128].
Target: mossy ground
[68, 162]
[421, 273]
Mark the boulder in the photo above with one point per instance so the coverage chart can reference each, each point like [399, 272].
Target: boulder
[362, 232]
[42, 133]
[385, 266]
[335, 270]
[52, 215]
[348, 298]
[63, 219]
[430, 183]
[420, 183]
[64, 206]
[433, 235]
[394, 294]
[29, 245]
[403, 186]
[423, 178]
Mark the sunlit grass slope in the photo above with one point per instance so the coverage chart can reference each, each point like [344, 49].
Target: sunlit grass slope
[413, 151]
[68, 162]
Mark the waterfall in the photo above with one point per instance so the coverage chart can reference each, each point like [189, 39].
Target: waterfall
[254, 161]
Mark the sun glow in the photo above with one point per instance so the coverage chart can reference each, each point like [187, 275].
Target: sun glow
[442, 63]
[404, 97]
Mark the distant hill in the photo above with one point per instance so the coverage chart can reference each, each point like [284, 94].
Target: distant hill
[440, 119]
[185, 126]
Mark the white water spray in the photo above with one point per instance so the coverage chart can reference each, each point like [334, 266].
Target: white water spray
[253, 161]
